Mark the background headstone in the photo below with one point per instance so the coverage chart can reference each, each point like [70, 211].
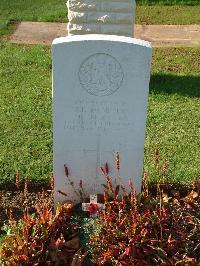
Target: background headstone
[100, 91]
[114, 17]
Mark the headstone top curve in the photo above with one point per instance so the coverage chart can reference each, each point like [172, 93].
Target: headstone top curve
[101, 37]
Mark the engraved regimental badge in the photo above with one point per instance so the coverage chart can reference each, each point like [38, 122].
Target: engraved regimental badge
[101, 74]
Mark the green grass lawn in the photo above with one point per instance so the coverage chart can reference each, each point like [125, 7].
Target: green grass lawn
[29, 10]
[174, 111]
[56, 10]
[25, 100]
[168, 2]
[25, 118]
[177, 14]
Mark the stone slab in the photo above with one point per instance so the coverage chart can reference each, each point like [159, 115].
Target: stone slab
[113, 17]
[38, 32]
[159, 35]
[169, 35]
[100, 92]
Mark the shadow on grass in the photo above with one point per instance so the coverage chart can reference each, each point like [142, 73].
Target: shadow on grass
[188, 85]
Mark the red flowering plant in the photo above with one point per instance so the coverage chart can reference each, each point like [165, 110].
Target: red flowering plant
[160, 226]
[146, 230]
[41, 239]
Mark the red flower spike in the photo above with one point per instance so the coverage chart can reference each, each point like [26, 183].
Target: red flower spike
[123, 201]
[156, 154]
[117, 190]
[117, 161]
[17, 180]
[105, 196]
[52, 182]
[81, 184]
[66, 170]
[107, 168]
[103, 171]
[131, 185]
[109, 184]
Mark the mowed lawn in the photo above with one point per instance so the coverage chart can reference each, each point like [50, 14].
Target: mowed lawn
[167, 15]
[30, 10]
[12, 12]
[26, 123]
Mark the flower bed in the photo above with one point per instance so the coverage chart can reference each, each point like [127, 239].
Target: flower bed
[159, 226]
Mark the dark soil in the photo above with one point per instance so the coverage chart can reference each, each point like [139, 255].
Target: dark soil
[15, 200]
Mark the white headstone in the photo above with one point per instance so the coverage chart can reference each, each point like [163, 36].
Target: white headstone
[114, 17]
[100, 91]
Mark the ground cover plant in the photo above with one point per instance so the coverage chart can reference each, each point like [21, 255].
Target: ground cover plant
[25, 118]
[44, 239]
[147, 230]
[160, 226]
[148, 12]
